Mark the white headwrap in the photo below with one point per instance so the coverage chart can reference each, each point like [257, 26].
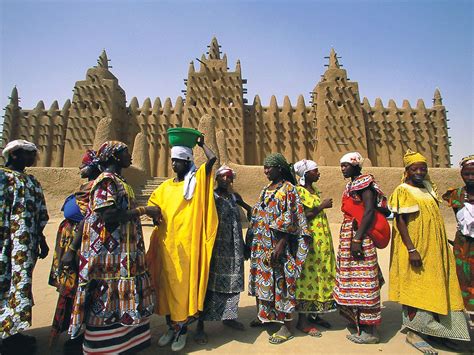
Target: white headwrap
[182, 152]
[225, 169]
[18, 144]
[303, 166]
[353, 158]
[186, 153]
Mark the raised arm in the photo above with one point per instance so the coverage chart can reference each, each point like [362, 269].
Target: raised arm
[210, 155]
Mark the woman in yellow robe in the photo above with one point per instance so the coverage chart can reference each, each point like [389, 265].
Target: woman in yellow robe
[422, 266]
[181, 244]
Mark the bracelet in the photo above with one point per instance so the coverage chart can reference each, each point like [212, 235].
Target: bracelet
[356, 240]
[141, 210]
[412, 250]
[71, 248]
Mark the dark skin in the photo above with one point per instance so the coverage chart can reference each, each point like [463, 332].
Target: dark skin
[112, 216]
[224, 183]
[467, 175]
[18, 161]
[311, 177]
[368, 198]
[415, 173]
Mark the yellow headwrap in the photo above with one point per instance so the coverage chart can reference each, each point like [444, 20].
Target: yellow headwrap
[467, 160]
[412, 157]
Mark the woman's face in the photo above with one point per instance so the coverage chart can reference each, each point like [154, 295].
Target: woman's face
[28, 157]
[417, 173]
[272, 173]
[313, 175]
[467, 174]
[224, 181]
[124, 158]
[348, 170]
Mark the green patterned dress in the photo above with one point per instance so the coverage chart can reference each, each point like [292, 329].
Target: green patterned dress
[315, 285]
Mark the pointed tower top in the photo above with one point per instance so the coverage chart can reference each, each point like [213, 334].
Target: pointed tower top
[103, 61]
[333, 62]
[214, 52]
[14, 96]
[191, 67]
[238, 69]
[437, 99]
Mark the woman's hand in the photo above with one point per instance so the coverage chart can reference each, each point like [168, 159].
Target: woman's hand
[153, 212]
[356, 250]
[200, 140]
[327, 203]
[68, 260]
[278, 252]
[44, 249]
[415, 259]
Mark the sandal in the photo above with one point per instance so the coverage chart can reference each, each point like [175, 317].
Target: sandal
[311, 331]
[315, 319]
[279, 339]
[417, 342]
[166, 338]
[179, 342]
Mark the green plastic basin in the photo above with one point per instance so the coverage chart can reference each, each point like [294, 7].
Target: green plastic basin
[183, 136]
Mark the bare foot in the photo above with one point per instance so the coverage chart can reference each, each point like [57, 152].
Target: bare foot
[200, 337]
[420, 344]
[363, 338]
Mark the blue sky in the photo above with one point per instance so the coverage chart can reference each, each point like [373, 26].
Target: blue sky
[393, 49]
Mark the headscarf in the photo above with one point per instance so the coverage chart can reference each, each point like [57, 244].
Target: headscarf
[353, 158]
[302, 167]
[466, 161]
[412, 157]
[278, 160]
[90, 159]
[186, 153]
[182, 152]
[225, 170]
[18, 144]
[108, 149]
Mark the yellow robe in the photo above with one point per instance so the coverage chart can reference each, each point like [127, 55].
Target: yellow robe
[181, 246]
[433, 287]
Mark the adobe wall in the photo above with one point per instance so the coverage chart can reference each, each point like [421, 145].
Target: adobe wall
[58, 183]
[250, 181]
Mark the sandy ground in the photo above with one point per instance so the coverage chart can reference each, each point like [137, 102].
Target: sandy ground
[224, 340]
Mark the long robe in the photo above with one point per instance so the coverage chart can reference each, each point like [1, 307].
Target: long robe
[181, 246]
[23, 216]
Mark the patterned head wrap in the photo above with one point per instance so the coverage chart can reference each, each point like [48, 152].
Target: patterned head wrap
[466, 161]
[278, 160]
[225, 170]
[412, 157]
[18, 144]
[108, 149]
[182, 153]
[353, 158]
[90, 159]
[302, 167]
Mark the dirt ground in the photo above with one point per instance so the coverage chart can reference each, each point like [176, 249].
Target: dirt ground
[223, 340]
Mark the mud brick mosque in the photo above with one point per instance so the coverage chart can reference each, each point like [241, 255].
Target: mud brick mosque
[334, 122]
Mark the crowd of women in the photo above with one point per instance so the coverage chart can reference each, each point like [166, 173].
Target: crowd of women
[193, 271]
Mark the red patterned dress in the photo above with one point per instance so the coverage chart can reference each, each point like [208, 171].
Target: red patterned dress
[278, 210]
[358, 282]
[114, 298]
